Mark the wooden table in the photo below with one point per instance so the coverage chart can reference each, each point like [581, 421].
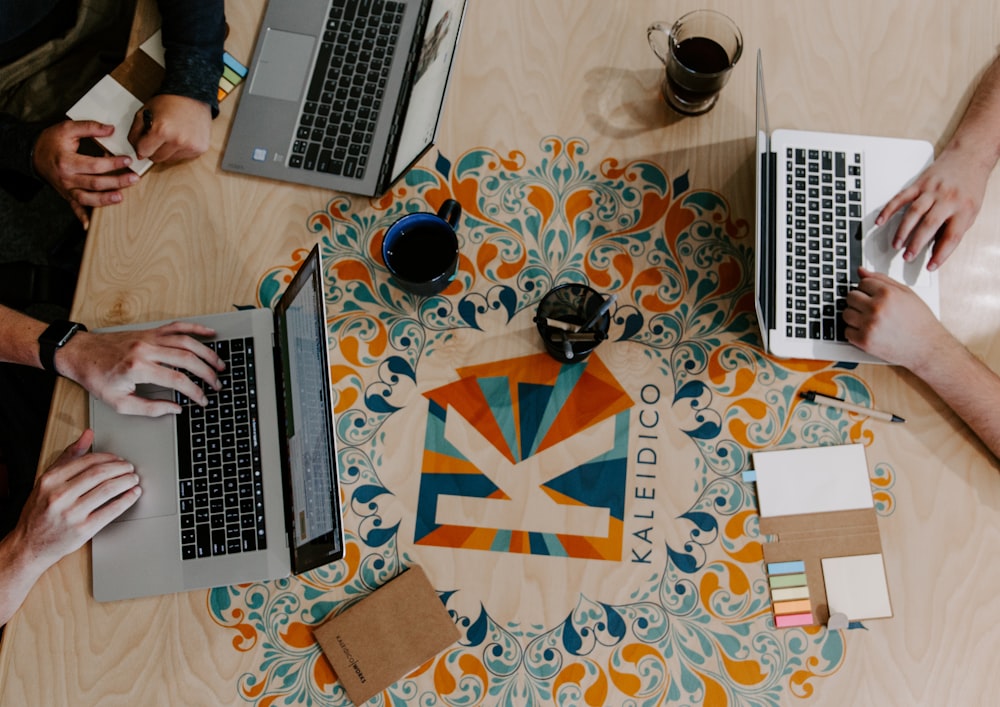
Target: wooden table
[544, 94]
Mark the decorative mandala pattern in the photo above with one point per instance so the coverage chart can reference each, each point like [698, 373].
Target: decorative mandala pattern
[697, 628]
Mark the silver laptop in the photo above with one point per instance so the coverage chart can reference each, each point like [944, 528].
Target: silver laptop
[244, 489]
[344, 94]
[817, 198]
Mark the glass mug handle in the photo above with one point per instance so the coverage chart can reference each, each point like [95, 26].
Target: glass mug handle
[658, 35]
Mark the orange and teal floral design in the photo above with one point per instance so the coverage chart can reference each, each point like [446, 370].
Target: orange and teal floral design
[697, 629]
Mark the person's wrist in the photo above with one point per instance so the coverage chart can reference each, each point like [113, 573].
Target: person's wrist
[67, 359]
[53, 339]
[20, 558]
[942, 346]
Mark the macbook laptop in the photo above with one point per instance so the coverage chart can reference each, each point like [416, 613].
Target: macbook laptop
[817, 198]
[244, 489]
[344, 94]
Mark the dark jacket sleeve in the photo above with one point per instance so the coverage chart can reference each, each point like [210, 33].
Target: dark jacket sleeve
[193, 36]
[18, 138]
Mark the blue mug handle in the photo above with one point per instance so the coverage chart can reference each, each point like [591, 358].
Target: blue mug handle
[450, 212]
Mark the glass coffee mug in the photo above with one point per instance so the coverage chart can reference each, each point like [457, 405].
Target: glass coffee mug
[699, 51]
[421, 249]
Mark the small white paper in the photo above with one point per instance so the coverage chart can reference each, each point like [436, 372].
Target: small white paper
[154, 48]
[812, 480]
[109, 103]
[856, 586]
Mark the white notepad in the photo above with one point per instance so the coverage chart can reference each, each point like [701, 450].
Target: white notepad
[856, 586]
[812, 480]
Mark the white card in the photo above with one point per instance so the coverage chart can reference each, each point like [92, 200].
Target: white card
[109, 103]
[812, 480]
[856, 586]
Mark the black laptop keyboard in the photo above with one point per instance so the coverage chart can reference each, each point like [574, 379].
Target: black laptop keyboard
[345, 94]
[221, 489]
[824, 207]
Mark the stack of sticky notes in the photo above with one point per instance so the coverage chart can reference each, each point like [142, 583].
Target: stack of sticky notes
[826, 566]
[233, 73]
[789, 593]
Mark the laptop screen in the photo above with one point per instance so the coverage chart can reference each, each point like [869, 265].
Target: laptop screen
[430, 82]
[308, 420]
[764, 253]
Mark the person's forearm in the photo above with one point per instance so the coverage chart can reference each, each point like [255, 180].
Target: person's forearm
[19, 337]
[18, 575]
[969, 387]
[193, 36]
[978, 132]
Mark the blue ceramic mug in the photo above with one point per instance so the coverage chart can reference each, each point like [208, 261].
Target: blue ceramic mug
[421, 249]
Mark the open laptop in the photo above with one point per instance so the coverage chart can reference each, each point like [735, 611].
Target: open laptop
[344, 94]
[817, 198]
[244, 489]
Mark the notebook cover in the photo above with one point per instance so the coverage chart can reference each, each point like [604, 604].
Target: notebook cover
[387, 635]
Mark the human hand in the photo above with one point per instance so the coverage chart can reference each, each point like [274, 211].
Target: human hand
[111, 364]
[81, 180]
[943, 203]
[887, 319]
[180, 129]
[71, 501]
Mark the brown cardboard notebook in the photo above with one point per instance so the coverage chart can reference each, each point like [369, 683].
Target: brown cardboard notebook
[388, 634]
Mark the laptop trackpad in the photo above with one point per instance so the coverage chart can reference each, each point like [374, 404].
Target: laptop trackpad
[149, 443]
[880, 256]
[283, 66]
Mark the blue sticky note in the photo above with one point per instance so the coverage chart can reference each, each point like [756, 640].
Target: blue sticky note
[236, 66]
[795, 567]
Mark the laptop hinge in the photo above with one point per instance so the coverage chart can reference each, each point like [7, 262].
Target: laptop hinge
[403, 104]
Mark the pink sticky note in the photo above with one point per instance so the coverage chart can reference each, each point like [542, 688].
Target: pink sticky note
[789, 620]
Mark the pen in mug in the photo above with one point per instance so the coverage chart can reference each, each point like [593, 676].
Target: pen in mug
[605, 306]
[820, 399]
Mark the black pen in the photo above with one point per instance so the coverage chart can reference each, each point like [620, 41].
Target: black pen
[841, 404]
[147, 120]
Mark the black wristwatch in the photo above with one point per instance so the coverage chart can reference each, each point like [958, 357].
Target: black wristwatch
[54, 338]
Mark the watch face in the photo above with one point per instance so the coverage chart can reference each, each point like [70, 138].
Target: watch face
[66, 336]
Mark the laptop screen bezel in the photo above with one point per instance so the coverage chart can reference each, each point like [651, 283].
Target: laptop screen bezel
[397, 174]
[330, 546]
[764, 258]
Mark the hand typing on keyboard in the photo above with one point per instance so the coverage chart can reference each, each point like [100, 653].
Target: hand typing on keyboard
[111, 365]
[945, 199]
[889, 320]
[941, 205]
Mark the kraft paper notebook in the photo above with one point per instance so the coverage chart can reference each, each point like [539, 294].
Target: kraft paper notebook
[387, 635]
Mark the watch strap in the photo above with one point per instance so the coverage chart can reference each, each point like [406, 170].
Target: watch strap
[54, 338]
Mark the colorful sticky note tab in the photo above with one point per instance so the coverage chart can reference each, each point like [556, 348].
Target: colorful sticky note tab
[234, 65]
[787, 580]
[796, 567]
[789, 620]
[798, 606]
[789, 593]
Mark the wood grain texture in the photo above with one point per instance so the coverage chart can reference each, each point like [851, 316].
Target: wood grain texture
[191, 239]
